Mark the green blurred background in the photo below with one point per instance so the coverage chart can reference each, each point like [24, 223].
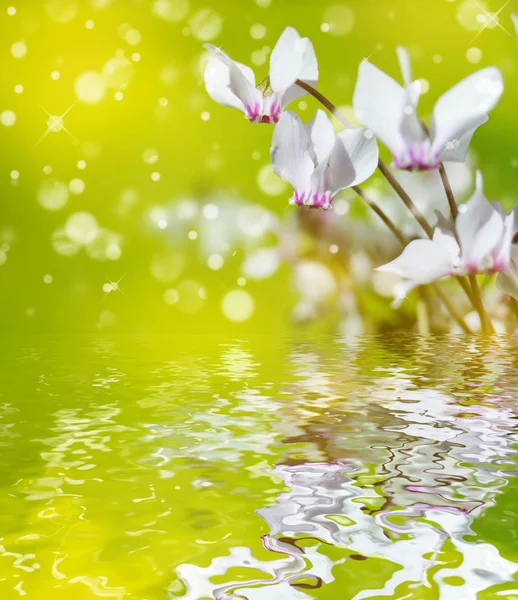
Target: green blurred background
[134, 212]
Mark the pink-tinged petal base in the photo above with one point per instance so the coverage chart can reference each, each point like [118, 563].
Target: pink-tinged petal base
[417, 157]
[257, 114]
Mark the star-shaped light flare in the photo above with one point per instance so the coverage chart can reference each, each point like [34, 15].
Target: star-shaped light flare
[490, 20]
[55, 123]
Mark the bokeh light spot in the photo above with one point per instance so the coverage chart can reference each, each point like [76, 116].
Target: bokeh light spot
[104, 245]
[76, 186]
[90, 87]
[133, 37]
[8, 118]
[53, 195]
[19, 49]
[171, 297]
[206, 24]
[210, 211]
[339, 18]
[258, 31]
[166, 266]
[61, 11]
[215, 262]
[270, 183]
[171, 10]
[81, 227]
[150, 156]
[118, 73]
[471, 14]
[474, 55]
[191, 297]
[238, 306]
[55, 123]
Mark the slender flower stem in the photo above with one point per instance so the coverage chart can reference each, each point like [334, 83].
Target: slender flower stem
[402, 239]
[449, 192]
[451, 308]
[396, 186]
[473, 293]
[514, 306]
[325, 102]
[485, 322]
[381, 214]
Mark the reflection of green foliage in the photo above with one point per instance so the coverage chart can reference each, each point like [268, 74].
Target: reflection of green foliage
[499, 524]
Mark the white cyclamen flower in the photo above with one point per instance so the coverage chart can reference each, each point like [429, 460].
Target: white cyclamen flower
[389, 109]
[480, 242]
[318, 163]
[233, 84]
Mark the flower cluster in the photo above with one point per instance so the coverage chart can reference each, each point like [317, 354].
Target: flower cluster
[477, 238]
[478, 241]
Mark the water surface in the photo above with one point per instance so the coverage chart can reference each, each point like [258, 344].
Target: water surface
[260, 469]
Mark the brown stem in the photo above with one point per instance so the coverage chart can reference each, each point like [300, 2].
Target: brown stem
[381, 214]
[396, 186]
[400, 236]
[451, 309]
[449, 192]
[514, 306]
[325, 102]
[485, 322]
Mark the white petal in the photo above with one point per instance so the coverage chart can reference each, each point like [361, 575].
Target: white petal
[308, 73]
[378, 103]
[456, 149]
[241, 81]
[292, 58]
[457, 111]
[422, 261]
[503, 250]
[411, 128]
[444, 236]
[507, 282]
[319, 182]
[401, 290]
[322, 135]
[405, 65]
[479, 227]
[290, 152]
[217, 83]
[353, 160]
[514, 18]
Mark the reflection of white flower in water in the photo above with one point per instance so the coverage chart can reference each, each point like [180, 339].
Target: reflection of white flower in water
[323, 503]
[233, 84]
[389, 109]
